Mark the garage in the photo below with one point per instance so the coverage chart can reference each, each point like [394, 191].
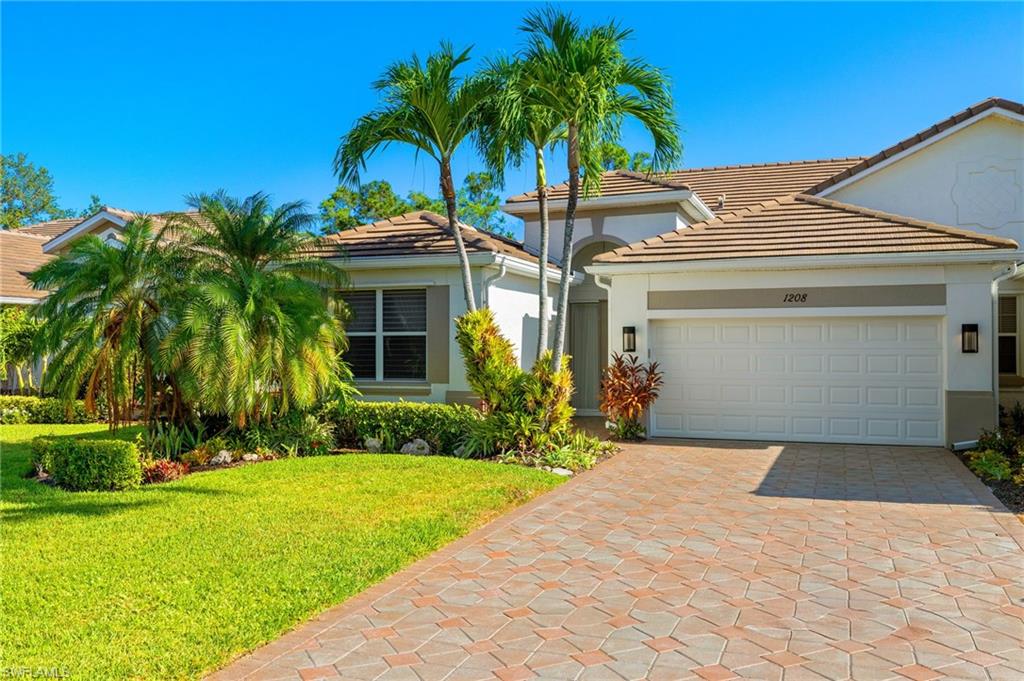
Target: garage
[873, 380]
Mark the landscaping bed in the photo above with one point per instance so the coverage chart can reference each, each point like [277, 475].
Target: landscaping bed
[174, 580]
[998, 460]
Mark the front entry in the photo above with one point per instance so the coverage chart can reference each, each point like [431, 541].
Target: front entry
[588, 347]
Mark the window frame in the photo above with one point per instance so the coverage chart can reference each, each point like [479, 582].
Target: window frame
[379, 334]
[1009, 334]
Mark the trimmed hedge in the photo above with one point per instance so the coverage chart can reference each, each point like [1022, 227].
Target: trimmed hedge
[89, 465]
[44, 409]
[443, 426]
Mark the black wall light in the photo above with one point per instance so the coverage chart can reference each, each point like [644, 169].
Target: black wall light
[629, 339]
[969, 338]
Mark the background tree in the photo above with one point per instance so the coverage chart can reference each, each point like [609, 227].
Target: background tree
[27, 193]
[260, 333]
[478, 204]
[583, 78]
[95, 206]
[425, 105]
[614, 156]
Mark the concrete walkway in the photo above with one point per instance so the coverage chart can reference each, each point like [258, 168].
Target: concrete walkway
[705, 561]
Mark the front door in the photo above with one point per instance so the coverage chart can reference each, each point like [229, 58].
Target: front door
[587, 347]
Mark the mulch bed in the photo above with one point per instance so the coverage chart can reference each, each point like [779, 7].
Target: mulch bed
[1006, 491]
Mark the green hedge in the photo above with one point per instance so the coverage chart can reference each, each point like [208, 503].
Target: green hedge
[42, 410]
[89, 465]
[443, 426]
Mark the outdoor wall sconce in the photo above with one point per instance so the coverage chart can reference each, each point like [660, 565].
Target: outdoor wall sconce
[969, 338]
[629, 339]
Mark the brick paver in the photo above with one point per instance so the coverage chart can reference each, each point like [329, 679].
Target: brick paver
[701, 561]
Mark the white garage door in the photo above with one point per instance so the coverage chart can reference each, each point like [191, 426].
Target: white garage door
[871, 380]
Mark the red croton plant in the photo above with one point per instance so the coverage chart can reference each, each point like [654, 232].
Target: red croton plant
[628, 388]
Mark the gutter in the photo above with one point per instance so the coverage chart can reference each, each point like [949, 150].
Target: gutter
[520, 208]
[486, 285]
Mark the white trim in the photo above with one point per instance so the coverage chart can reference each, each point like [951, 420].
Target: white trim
[514, 264]
[896, 158]
[18, 300]
[81, 228]
[806, 262]
[895, 311]
[519, 208]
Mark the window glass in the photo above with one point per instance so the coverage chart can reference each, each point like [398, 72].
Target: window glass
[362, 356]
[362, 307]
[405, 357]
[405, 310]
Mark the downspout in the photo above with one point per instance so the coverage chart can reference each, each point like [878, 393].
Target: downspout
[1011, 272]
[502, 269]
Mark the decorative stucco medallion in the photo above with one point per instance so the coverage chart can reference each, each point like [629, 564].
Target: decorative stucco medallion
[988, 193]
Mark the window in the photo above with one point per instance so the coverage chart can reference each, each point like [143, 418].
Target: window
[1008, 334]
[387, 334]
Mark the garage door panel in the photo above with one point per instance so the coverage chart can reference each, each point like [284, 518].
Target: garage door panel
[868, 380]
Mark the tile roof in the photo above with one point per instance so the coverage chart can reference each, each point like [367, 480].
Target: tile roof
[414, 234]
[955, 119]
[20, 254]
[740, 185]
[802, 225]
[51, 228]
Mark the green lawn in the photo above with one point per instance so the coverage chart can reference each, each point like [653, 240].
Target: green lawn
[175, 580]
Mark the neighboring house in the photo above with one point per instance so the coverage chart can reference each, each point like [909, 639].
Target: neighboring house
[873, 300]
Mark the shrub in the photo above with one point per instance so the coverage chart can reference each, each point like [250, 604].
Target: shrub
[579, 452]
[443, 426]
[165, 440]
[163, 470]
[90, 465]
[990, 464]
[13, 415]
[40, 458]
[628, 388]
[45, 409]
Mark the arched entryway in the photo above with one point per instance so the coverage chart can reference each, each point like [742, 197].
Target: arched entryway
[587, 338]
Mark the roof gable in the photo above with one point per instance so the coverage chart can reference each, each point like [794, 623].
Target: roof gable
[910, 144]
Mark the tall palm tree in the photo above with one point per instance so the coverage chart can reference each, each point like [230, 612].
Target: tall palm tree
[105, 318]
[583, 77]
[425, 105]
[259, 333]
[513, 127]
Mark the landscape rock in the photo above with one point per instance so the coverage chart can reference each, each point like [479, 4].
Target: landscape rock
[222, 458]
[417, 446]
[373, 445]
[250, 456]
[561, 471]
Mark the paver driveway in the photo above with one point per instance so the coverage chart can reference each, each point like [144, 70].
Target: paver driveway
[707, 561]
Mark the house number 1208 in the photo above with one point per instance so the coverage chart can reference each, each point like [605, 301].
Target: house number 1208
[794, 298]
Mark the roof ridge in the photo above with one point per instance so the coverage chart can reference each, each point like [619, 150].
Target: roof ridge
[903, 219]
[768, 164]
[653, 178]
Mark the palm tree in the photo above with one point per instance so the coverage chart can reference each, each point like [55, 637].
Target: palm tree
[105, 317]
[259, 333]
[583, 78]
[426, 106]
[510, 125]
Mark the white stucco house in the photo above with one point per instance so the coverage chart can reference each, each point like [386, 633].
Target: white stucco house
[856, 300]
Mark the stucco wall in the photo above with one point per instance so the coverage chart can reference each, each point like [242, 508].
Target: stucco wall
[513, 300]
[627, 227]
[973, 179]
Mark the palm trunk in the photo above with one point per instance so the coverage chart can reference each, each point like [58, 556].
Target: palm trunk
[448, 192]
[545, 234]
[566, 264]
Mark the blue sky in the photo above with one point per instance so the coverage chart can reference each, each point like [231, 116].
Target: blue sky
[144, 103]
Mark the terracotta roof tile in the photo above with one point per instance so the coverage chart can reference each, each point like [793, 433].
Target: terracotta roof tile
[802, 225]
[415, 234]
[20, 254]
[889, 152]
[740, 185]
[51, 228]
